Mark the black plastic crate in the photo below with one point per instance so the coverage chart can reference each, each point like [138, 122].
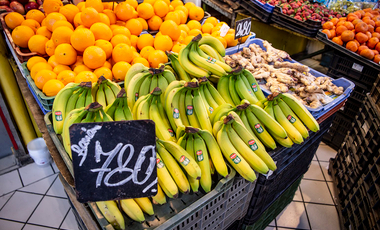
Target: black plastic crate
[288, 171]
[257, 9]
[307, 28]
[338, 131]
[375, 94]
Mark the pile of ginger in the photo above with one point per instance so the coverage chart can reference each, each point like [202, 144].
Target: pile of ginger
[282, 76]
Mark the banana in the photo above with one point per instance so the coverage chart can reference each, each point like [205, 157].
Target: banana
[165, 179]
[209, 65]
[233, 156]
[208, 107]
[172, 107]
[194, 183]
[177, 67]
[71, 103]
[255, 86]
[127, 111]
[192, 118]
[119, 112]
[111, 108]
[134, 88]
[81, 99]
[188, 66]
[145, 205]
[90, 117]
[145, 86]
[201, 157]
[268, 121]
[214, 43]
[94, 89]
[138, 102]
[217, 126]
[89, 98]
[301, 111]
[135, 69]
[110, 96]
[132, 209]
[100, 96]
[183, 158]
[210, 100]
[169, 76]
[114, 87]
[231, 88]
[200, 111]
[286, 142]
[215, 94]
[182, 108]
[161, 128]
[112, 213]
[259, 130]
[243, 92]
[153, 83]
[244, 119]
[292, 132]
[213, 60]
[162, 83]
[172, 86]
[211, 52]
[174, 169]
[220, 111]
[164, 117]
[170, 68]
[105, 117]
[254, 144]
[74, 116]
[292, 118]
[269, 108]
[160, 197]
[143, 109]
[223, 89]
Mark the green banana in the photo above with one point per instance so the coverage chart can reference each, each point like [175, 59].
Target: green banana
[200, 111]
[135, 69]
[201, 157]
[223, 89]
[214, 43]
[292, 118]
[188, 66]
[292, 132]
[259, 130]
[209, 65]
[183, 75]
[211, 52]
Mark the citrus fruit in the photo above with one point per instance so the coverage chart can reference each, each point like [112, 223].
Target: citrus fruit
[52, 18]
[52, 87]
[194, 24]
[184, 9]
[36, 15]
[63, 23]
[49, 48]
[101, 31]
[230, 39]
[134, 39]
[212, 20]
[146, 51]
[145, 10]
[82, 38]
[51, 6]
[195, 32]
[38, 67]
[145, 40]
[120, 38]
[79, 61]
[61, 35]
[134, 26]
[96, 4]
[77, 20]
[111, 16]
[184, 27]
[52, 61]
[85, 76]
[94, 57]
[21, 35]
[163, 43]
[81, 68]
[161, 8]
[106, 46]
[43, 76]
[34, 60]
[33, 24]
[177, 47]
[13, 20]
[119, 70]
[122, 52]
[122, 30]
[157, 57]
[196, 13]
[69, 11]
[37, 44]
[189, 5]
[60, 68]
[222, 40]
[182, 16]
[154, 23]
[188, 39]
[44, 32]
[124, 11]
[207, 28]
[65, 54]
[89, 16]
[107, 64]
[143, 23]
[66, 76]
[133, 3]
[176, 3]
[103, 72]
[171, 29]
[140, 60]
[174, 17]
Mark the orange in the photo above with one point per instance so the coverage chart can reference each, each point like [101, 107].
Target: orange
[52, 61]
[37, 44]
[101, 31]
[171, 8]
[103, 71]
[223, 41]
[207, 27]
[134, 50]
[13, 20]
[145, 10]
[196, 13]
[60, 68]
[111, 16]
[184, 27]
[340, 29]
[327, 32]
[349, 25]
[82, 38]
[33, 24]
[145, 40]
[171, 29]
[38, 67]
[89, 16]
[154, 23]
[140, 60]
[146, 51]
[361, 27]
[120, 38]
[124, 11]
[81, 68]
[52, 87]
[63, 23]
[77, 20]
[372, 42]
[347, 36]
[61, 35]
[107, 64]
[176, 3]
[135, 14]
[215, 33]
[189, 5]
[66, 76]
[195, 32]
[351, 45]
[120, 23]
[188, 39]
[34, 60]
[122, 52]
[51, 6]
[184, 9]
[161, 8]
[106, 46]
[367, 53]
[81, 6]
[96, 4]
[119, 70]
[122, 30]
[44, 31]
[193, 24]
[49, 47]
[35, 15]
[108, 5]
[52, 18]
[337, 40]
[133, 3]
[134, 39]
[174, 16]
[79, 61]
[21, 35]
[65, 54]
[376, 59]
[157, 57]
[43, 76]
[182, 16]
[134, 26]
[328, 25]
[150, 1]
[85, 76]
[243, 39]
[212, 20]
[69, 11]
[94, 57]
[163, 42]
[183, 33]
[143, 23]
[176, 48]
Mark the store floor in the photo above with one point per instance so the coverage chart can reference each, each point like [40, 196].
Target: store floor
[33, 198]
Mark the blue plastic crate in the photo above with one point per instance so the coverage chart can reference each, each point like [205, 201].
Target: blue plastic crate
[266, 7]
[318, 112]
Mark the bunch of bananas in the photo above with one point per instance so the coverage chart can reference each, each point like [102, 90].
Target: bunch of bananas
[176, 66]
[119, 110]
[144, 82]
[150, 107]
[72, 96]
[105, 91]
[199, 63]
[203, 148]
[238, 85]
[210, 95]
[91, 113]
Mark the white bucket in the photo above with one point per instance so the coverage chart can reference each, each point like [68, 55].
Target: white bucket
[196, 2]
[39, 152]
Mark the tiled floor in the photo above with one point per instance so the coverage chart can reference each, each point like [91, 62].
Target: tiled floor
[33, 198]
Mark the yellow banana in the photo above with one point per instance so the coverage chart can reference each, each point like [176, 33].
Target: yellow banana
[201, 157]
[165, 178]
[223, 89]
[292, 118]
[268, 121]
[112, 213]
[145, 205]
[214, 43]
[132, 209]
[188, 66]
[160, 197]
[190, 114]
[200, 111]
[154, 114]
[135, 69]
[259, 130]
[194, 183]
[211, 52]
[209, 65]
[292, 132]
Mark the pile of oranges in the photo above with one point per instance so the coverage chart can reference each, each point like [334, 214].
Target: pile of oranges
[358, 32]
[105, 39]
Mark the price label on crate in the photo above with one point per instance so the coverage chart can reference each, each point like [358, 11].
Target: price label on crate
[243, 28]
[357, 67]
[114, 160]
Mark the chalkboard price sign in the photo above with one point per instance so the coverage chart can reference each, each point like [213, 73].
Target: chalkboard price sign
[114, 160]
[243, 28]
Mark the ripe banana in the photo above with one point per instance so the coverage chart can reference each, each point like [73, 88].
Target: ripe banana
[162, 131]
[194, 183]
[211, 59]
[132, 209]
[135, 69]
[112, 213]
[145, 205]
[223, 89]
[182, 108]
[214, 43]
[172, 86]
[183, 75]
[133, 88]
[200, 111]
[75, 116]
[110, 96]
[211, 52]
[210, 100]
[188, 66]
[259, 130]
[160, 197]
[201, 157]
[268, 121]
[100, 96]
[209, 65]
[292, 118]
[142, 112]
[208, 107]
[222, 110]
[292, 132]
[190, 114]
[172, 107]
[215, 94]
